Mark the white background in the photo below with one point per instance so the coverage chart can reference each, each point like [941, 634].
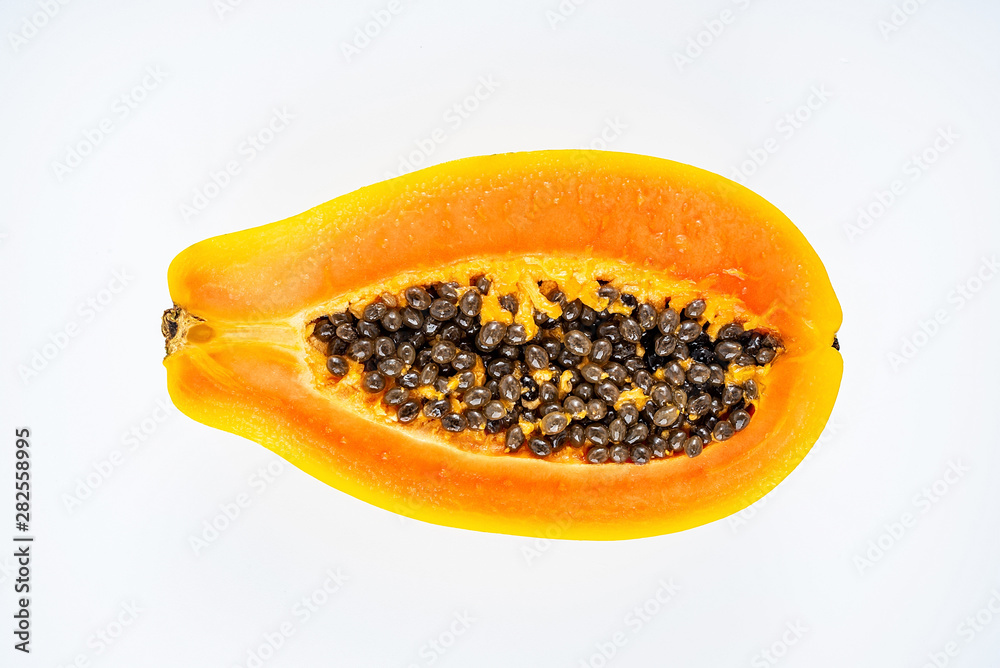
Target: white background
[826, 553]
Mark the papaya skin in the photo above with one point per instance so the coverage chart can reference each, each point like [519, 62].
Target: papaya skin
[239, 357]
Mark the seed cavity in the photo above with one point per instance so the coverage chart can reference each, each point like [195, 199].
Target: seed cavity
[632, 382]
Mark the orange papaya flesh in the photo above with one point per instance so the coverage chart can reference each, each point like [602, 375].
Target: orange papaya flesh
[243, 355]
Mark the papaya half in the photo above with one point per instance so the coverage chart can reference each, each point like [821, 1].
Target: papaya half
[612, 344]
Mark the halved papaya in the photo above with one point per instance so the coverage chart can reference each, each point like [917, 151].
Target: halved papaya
[611, 344]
